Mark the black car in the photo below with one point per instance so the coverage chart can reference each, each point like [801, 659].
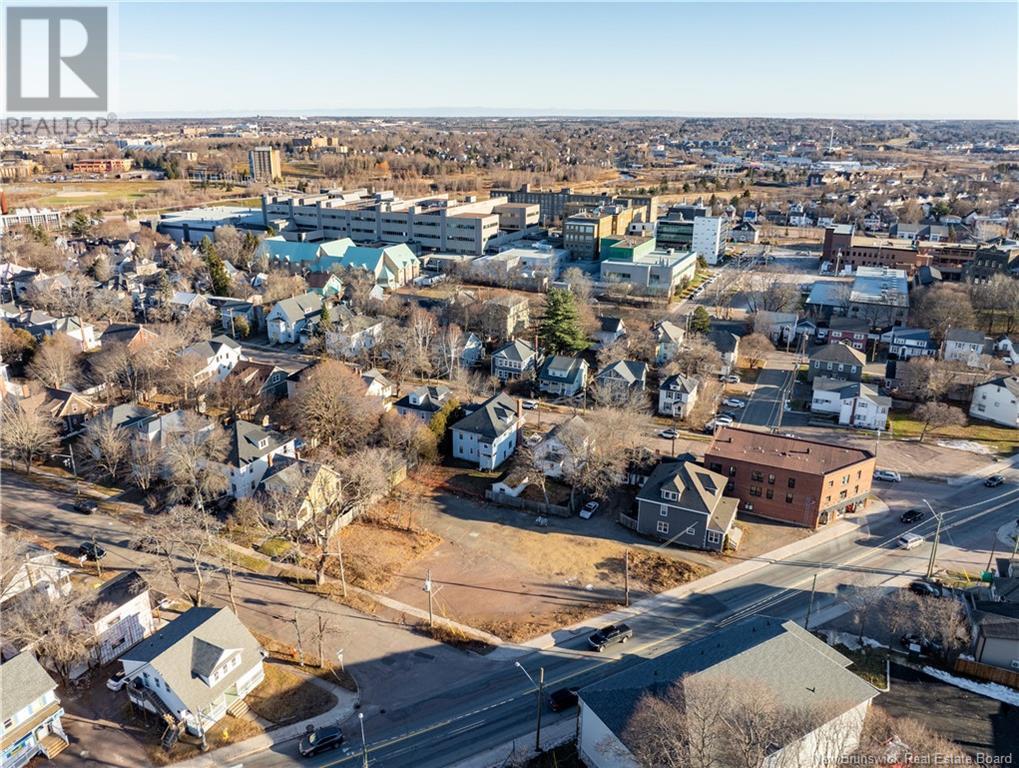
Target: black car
[89, 551]
[85, 507]
[613, 633]
[926, 646]
[562, 699]
[994, 481]
[925, 589]
[912, 516]
[321, 740]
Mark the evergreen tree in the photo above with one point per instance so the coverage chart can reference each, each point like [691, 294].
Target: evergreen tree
[81, 225]
[217, 270]
[560, 331]
[701, 320]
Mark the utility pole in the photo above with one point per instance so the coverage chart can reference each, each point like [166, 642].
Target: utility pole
[364, 743]
[937, 537]
[428, 589]
[541, 692]
[626, 579]
[810, 605]
[74, 469]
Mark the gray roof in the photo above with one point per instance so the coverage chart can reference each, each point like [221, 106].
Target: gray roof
[127, 415]
[680, 383]
[839, 353]
[611, 324]
[724, 341]
[299, 307]
[1011, 383]
[516, 350]
[796, 667]
[562, 368]
[210, 348]
[699, 489]
[668, 331]
[965, 336]
[629, 371]
[997, 620]
[22, 681]
[192, 645]
[115, 593]
[432, 397]
[492, 418]
[250, 442]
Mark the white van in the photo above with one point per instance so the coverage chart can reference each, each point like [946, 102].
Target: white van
[910, 541]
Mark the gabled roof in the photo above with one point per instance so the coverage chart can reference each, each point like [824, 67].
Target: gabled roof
[22, 681]
[211, 348]
[1011, 383]
[190, 646]
[113, 594]
[431, 397]
[492, 418]
[249, 442]
[839, 353]
[724, 341]
[562, 368]
[298, 308]
[517, 350]
[965, 336]
[611, 324]
[629, 371]
[680, 383]
[125, 333]
[699, 489]
[127, 415]
[667, 331]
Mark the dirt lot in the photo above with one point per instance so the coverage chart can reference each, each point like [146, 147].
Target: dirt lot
[494, 569]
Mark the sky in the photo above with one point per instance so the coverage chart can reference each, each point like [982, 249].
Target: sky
[794, 59]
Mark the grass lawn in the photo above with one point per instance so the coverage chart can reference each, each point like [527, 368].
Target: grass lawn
[1000, 439]
[229, 730]
[868, 664]
[86, 192]
[286, 696]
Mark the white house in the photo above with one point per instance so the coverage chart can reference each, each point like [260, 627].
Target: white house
[488, 434]
[514, 360]
[562, 448]
[120, 613]
[561, 375]
[217, 356]
[610, 330]
[30, 713]
[774, 656]
[965, 346]
[377, 385]
[252, 451]
[677, 395]
[37, 570]
[780, 327]
[354, 335]
[670, 338]
[997, 401]
[195, 669]
[471, 351]
[856, 404]
[290, 317]
[424, 402]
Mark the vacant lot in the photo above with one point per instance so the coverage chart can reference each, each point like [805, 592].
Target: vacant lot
[495, 569]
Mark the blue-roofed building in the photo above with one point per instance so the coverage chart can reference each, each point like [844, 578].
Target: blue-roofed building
[296, 253]
[392, 265]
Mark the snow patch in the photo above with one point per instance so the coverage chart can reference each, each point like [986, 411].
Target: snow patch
[990, 690]
[964, 445]
[851, 641]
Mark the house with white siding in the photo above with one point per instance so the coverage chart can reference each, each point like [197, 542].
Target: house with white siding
[514, 360]
[30, 713]
[120, 614]
[856, 404]
[292, 317]
[677, 395]
[217, 358]
[488, 434]
[252, 451]
[966, 346]
[997, 401]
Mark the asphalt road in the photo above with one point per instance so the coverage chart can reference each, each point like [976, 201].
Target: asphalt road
[465, 720]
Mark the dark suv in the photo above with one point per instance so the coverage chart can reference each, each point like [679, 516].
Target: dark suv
[912, 516]
[613, 633]
[562, 699]
[320, 740]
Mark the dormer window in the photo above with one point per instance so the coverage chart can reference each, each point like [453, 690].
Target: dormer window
[669, 495]
[263, 442]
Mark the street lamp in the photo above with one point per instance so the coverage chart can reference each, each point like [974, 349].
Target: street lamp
[364, 744]
[539, 688]
[937, 537]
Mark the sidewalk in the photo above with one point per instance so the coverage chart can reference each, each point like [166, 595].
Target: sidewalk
[523, 747]
[345, 706]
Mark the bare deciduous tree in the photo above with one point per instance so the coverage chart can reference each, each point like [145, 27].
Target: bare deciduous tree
[332, 407]
[938, 415]
[105, 445]
[55, 362]
[53, 627]
[184, 538]
[27, 434]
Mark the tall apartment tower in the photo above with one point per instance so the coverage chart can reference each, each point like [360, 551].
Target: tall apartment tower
[264, 164]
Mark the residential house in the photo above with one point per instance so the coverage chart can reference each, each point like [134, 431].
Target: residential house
[561, 375]
[377, 385]
[32, 569]
[907, 343]
[996, 634]
[120, 614]
[515, 360]
[623, 375]
[325, 284]
[135, 336]
[780, 327]
[775, 656]
[488, 434]
[232, 310]
[309, 489]
[195, 669]
[610, 330]
[670, 339]
[30, 713]
[183, 302]
[505, 316]
[966, 346]
[471, 351]
[216, 358]
[744, 232]
[253, 449]
[70, 410]
[997, 401]
[856, 404]
[263, 381]
[424, 402]
[850, 331]
[802, 482]
[677, 395]
[837, 361]
[562, 448]
[727, 344]
[353, 335]
[683, 503]
[292, 317]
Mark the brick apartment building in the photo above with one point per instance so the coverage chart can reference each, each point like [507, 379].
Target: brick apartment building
[111, 165]
[802, 482]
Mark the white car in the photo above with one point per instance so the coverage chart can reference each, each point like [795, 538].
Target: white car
[668, 434]
[734, 402]
[723, 420]
[910, 541]
[530, 405]
[116, 682]
[732, 378]
[887, 475]
[589, 509]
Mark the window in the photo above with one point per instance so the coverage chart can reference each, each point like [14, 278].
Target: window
[732, 471]
[842, 494]
[663, 510]
[714, 537]
[715, 466]
[788, 498]
[756, 476]
[663, 527]
[771, 479]
[769, 493]
[792, 482]
[755, 490]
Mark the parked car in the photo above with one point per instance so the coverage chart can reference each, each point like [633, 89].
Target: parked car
[734, 402]
[668, 434]
[85, 507]
[910, 541]
[724, 419]
[588, 510]
[926, 588]
[530, 405]
[116, 682]
[564, 698]
[732, 378]
[887, 475]
[90, 551]
[994, 481]
[613, 633]
[911, 516]
[925, 646]
[321, 740]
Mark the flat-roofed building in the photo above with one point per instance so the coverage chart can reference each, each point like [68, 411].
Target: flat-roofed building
[264, 164]
[802, 482]
[556, 205]
[514, 217]
[658, 272]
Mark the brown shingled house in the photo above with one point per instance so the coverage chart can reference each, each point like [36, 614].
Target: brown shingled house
[803, 482]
